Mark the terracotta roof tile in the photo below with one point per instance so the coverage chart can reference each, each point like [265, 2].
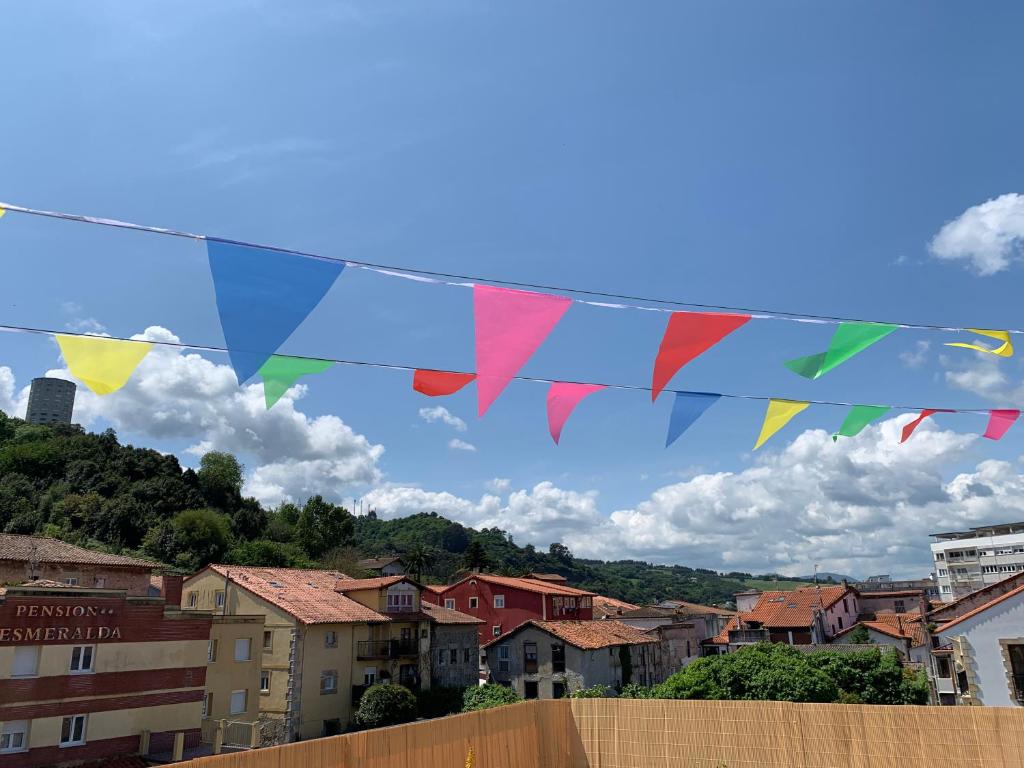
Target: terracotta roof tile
[588, 635]
[374, 563]
[609, 606]
[353, 585]
[794, 608]
[46, 550]
[308, 595]
[529, 585]
[993, 602]
[682, 606]
[441, 615]
[905, 625]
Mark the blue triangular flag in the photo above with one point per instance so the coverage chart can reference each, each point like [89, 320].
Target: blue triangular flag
[262, 297]
[686, 409]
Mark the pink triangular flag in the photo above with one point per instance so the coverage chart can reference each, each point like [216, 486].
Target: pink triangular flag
[510, 326]
[998, 422]
[562, 399]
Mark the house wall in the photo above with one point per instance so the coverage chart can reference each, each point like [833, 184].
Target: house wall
[225, 675]
[981, 639]
[520, 606]
[133, 581]
[842, 614]
[680, 645]
[462, 638]
[900, 603]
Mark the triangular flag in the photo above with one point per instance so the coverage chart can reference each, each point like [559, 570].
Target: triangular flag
[510, 326]
[998, 422]
[1003, 350]
[437, 383]
[563, 397]
[280, 372]
[686, 409]
[908, 430]
[102, 364]
[777, 416]
[858, 418]
[262, 297]
[847, 341]
[687, 335]
[2, 212]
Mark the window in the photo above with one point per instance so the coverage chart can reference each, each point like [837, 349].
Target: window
[840, 622]
[557, 657]
[238, 701]
[218, 600]
[529, 689]
[72, 731]
[328, 681]
[26, 661]
[268, 640]
[331, 639]
[945, 589]
[193, 599]
[369, 675]
[990, 569]
[939, 556]
[845, 606]
[687, 648]
[557, 690]
[265, 681]
[211, 650]
[71, 581]
[449, 603]
[503, 662]
[81, 658]
[473, 602]
[530, 658]
[441, 656]
[944, 572]
[242, 649]
[499, 601]
[467, 655]
[14, 737]
[1016, 653]
[898, 606]
[207, 704]
[496, 630]
[453, 656]
[101, 582]
[400, 601]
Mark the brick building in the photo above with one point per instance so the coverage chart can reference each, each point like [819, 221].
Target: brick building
[31, 558]
[90, 674]
[504, 602]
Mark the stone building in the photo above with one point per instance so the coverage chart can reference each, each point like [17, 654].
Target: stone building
[32, 558]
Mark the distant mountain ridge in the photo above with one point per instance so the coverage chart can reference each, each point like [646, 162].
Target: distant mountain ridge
[826, 575]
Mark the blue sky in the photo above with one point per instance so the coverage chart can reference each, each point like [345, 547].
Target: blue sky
[797, 156]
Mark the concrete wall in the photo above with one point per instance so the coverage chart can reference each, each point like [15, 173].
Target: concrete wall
[842, 614]
[225, 675]
[133, 581]
[463, 639]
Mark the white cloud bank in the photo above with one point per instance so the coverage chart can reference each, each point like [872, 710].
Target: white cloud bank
[442, 414]
[988, 236]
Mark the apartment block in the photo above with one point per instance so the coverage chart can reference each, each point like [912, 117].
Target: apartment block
[966, 561]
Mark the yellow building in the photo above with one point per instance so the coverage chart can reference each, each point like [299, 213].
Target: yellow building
[325, 637]
[234, 678]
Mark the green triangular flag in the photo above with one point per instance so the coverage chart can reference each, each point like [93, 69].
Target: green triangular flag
[847, 341]
[279, 373]
[858, 418]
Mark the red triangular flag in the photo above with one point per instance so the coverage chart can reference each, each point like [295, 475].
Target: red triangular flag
[510, 325]
[688, 335]
[909, 429]
[437, 383]
[999, 421]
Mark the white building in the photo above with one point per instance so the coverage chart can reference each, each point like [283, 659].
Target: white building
[966, 561]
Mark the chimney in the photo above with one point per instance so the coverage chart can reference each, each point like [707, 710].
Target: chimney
[170, 588]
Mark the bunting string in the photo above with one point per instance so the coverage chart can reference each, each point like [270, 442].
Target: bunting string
[624, 301]
[464, 377]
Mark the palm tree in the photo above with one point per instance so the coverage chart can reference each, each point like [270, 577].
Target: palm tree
[417, 559]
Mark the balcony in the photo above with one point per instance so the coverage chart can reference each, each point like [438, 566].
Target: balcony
[742, 636]
[386, 649]
[944, 685]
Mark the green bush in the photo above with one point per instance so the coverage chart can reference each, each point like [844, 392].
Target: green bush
[636, 691]
[593, 692]
[439, 701]
[487, 696]
[386, 704]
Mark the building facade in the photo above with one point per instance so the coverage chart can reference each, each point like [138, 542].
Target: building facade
[50, 401]
[234, 682]
[383, 566]
[454, 648]
[903, 631]
[31, 558]
[966, 561]
[90, 674]
[551, 659]
[504, 602]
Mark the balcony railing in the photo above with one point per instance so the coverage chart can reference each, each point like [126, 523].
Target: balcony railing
[386, 649]
[1018, 687]
[738, 636]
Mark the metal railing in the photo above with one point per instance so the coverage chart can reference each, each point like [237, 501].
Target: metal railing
[386, 649]
[235, 734]
[737, 636]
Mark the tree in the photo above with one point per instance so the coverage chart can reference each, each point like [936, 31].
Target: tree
[269, 554]
[487, 696]
[249, 520]
[859, 636]
[417, 558]
[323, 526]
[220, 480]
[475, 557]
[560, 552]
[386, 704]
[201, 536]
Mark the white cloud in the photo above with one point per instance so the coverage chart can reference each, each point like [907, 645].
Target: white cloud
[460, 445]
[9, 404]
[916, 357]
[498, 484]
[987, 236]
[984, 375]
[178, 395]
[440, 413]
[88, 325]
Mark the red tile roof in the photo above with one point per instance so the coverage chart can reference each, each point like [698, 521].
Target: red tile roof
[609, 606]
[437, 589]
[697, 608]
[588, 635]
[529, 585]
[354, 585]
[441, 615]
[794, 608]
[46, 550]
[308, 595]
[993, 602]
[905, 625]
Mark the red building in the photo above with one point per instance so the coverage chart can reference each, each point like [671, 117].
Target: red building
[88, 674]
[504, 602]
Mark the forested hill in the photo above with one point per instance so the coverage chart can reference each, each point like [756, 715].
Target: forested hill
[89, 489]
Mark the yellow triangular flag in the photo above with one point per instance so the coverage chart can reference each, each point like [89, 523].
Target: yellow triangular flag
[103, 365]
[777, 416]
[2, 212]
[1004, 350]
